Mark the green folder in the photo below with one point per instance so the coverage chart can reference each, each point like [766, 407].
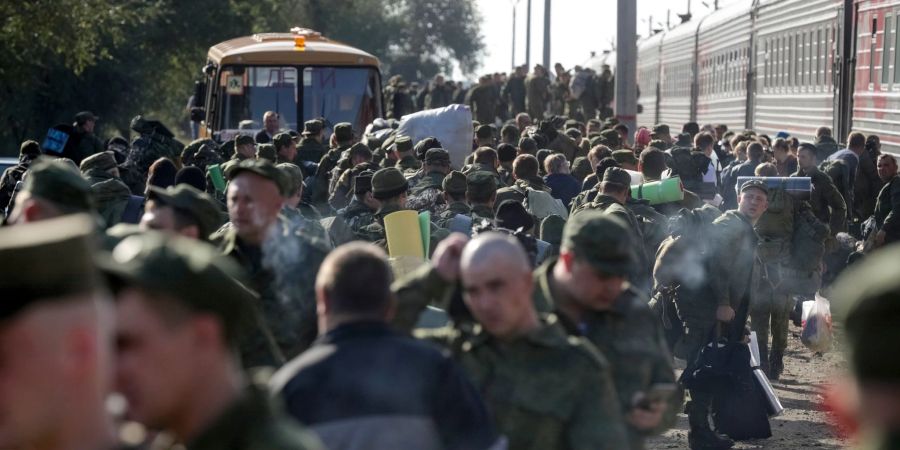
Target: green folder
[425, 228]
[215, 174]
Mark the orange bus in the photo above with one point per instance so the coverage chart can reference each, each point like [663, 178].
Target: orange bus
[300, 75]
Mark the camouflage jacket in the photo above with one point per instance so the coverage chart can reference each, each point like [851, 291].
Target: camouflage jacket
[629, 336]
[252, 423]
[431, 180]
[408, 164]
[346, 225]
[482, 213]
[111, 196]
[546, 390]
[605, 203]
[445, 217]
[374, 232]
[310, 150]
[734, 266]
[282, 271]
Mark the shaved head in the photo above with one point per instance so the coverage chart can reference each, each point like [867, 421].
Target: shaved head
[498, 286]
[495, 249]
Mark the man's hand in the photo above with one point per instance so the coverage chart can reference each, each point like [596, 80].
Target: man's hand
[879, 238]
[447, 254]
[646, 419]
[724, 313]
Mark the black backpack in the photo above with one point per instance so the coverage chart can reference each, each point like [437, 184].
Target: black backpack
[839, 173]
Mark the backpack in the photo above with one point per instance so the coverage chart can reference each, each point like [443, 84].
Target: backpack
[839, 173]
[541, 204]
[690, 166]
[776, 227]
[155, 141]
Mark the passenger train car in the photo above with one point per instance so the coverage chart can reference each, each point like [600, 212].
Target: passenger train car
[779, 65]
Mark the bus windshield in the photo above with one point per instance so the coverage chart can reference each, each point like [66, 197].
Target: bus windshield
[297, 94]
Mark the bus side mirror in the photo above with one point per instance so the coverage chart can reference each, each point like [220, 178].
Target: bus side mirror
[199, 94]
[198, 114]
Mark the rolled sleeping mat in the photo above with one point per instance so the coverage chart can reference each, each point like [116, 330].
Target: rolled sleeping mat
[659, 192]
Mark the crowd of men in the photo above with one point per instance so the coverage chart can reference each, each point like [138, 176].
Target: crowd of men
[578, 93]
[547, 314]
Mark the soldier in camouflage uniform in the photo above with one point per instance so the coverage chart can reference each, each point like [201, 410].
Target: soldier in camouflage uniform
[456, 215]
[481, 193]
[292, 210]
[51, 188]
[162, 278]
[420, 149]
[28, 152]
[611, 198]
[586, 288]
[244, 148]
[526, 173]
[341, 180]
[311, 148]
[407, 163]
[389, 187]
[427, 194]
[343, 139]
[281, 258]
[563, 396]
[113, 199]
[360, 213]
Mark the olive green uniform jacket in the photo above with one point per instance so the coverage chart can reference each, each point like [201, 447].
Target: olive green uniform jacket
[546, 390]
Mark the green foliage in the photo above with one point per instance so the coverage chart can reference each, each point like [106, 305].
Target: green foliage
[120, 58]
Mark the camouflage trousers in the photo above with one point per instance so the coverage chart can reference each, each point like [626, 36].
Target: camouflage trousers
[770, 312]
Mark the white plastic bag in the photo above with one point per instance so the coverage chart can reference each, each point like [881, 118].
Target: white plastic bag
[452, 125]
[817, 332]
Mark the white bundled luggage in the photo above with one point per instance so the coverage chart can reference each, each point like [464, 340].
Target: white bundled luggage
[452, 125]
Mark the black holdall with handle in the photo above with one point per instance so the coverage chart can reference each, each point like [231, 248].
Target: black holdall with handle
[722, 368]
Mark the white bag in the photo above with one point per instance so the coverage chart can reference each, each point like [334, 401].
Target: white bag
[452, 125]
[817, 333]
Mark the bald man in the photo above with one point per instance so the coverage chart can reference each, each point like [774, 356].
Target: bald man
[55, 338]
[564, 396]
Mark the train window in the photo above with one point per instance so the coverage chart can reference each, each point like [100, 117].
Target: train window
[886, 51]
[791, 54]
[820, 55]
[814, 59]
[872, 53]
[897, 50]
[798, 61]
[804, 70]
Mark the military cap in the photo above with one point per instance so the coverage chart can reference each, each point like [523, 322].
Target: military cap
[100, 161]
[659, 129]
[455, 183]
[481, 181]
[864, 299]
[484, 132]
[581, 168]
[264, 169]
[30, 148]
[613, 140]
[343, 132]
[755, 184]
[191, 202]
[437, 156]
[45, 261]
[282, 140]
[244, 140]
[617, 175]
[294, 174]
[625, 157]
[267, 152]
[85, 116]
[403, 143]
[388, 183]
[59, 182]
[190, 271]
[362, 182]
[512, 215]
[601, 239]
[424, 145]
[552, 229]
[311, 127]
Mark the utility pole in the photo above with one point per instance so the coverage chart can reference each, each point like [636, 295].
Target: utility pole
[626, 69]
[513, 62]
[547, 34]
[528, 37]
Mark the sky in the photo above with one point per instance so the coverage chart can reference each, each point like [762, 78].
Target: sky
[577, 28]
